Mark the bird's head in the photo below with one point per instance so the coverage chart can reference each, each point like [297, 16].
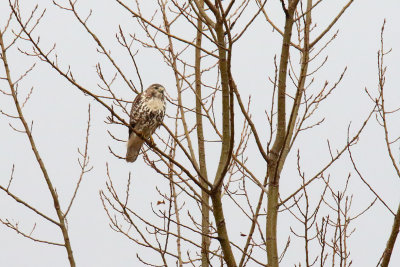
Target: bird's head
[157, 90]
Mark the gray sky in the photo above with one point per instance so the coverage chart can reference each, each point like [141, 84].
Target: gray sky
[59, 113]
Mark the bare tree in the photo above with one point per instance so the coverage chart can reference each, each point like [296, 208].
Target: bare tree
[208, 110]
[382, 119]
[14, 92]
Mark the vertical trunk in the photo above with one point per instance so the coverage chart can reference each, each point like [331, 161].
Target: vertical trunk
[178, 220]
[272, 216]
[226, 130]
[221, 229]
[276, 161]
[392, 240]
[205, 211]
[225, 149]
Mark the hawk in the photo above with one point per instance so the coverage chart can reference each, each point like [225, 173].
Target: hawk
[147, 114]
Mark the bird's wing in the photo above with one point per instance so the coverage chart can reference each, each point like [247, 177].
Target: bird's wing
[134, 111]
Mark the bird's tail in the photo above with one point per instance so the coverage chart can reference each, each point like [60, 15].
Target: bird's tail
[134, 145]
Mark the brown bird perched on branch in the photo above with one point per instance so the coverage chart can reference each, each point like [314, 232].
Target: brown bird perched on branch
[147, 114]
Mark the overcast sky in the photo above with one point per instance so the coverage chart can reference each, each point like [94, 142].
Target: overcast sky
[59, 113]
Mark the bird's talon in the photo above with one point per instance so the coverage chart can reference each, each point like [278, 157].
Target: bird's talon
[151, 141]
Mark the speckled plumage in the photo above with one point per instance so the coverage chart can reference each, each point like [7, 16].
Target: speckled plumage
[147, 114]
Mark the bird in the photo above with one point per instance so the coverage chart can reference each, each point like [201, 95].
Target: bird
[147, 114]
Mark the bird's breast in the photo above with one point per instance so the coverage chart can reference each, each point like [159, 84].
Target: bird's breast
[155, 104]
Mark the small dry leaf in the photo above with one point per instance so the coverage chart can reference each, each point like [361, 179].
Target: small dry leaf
[160, 202]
